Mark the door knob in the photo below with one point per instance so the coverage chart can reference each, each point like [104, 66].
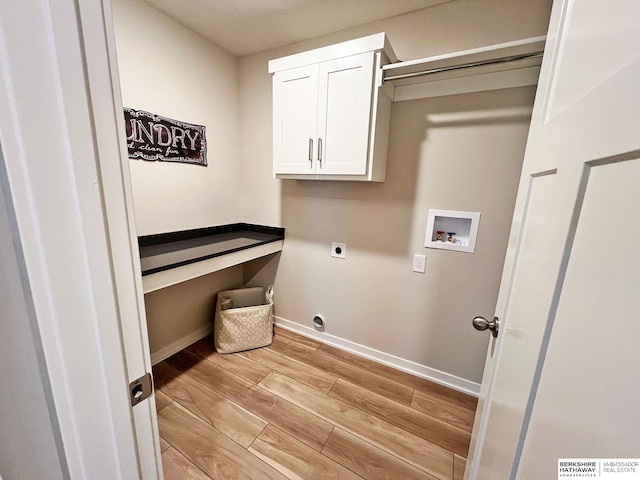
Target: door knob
[481, 323]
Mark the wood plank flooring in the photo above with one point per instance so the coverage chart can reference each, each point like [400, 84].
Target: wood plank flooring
[299, 409]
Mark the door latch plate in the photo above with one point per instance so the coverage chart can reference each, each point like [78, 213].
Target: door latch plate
[140, 389]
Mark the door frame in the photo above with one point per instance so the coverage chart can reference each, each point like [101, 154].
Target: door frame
[66, 172]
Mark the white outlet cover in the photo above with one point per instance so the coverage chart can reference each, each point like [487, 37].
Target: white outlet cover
[419, 263]
[338, 250]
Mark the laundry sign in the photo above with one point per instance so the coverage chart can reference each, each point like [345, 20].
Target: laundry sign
[152, 137]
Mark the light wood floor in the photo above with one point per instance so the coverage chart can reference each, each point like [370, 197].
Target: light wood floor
[300, 409]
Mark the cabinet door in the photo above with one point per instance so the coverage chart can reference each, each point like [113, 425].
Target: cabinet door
[344, 104]
[295, 113]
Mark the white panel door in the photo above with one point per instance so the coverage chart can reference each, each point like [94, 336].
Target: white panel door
[563, 380]
[295, 114]
[344, 103]
[65, 171]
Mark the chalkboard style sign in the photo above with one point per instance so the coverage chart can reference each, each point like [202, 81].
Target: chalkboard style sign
[152, 137]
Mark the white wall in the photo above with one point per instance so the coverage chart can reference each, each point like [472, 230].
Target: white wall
[169, 70]
[459, 152]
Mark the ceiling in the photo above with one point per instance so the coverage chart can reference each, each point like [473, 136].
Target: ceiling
[244, 27]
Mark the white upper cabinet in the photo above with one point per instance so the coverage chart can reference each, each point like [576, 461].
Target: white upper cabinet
[330, 116]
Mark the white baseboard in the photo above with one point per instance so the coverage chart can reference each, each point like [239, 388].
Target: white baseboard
[408, 366]
[181, 344]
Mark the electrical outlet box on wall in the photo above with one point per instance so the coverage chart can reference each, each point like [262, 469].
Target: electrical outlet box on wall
[452, 230]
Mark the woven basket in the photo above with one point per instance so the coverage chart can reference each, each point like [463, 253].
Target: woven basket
[244, 319]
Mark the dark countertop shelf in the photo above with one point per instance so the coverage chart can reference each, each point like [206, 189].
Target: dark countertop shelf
[166, 251]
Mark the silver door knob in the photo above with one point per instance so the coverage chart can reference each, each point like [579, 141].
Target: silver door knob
[481, 323]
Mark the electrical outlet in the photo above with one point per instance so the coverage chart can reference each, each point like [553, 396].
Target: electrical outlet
[338, 250]
[419, 263]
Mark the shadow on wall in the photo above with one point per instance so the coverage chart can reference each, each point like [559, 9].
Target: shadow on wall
[460, 152]
[371, 216]
[261, 272]
[383, 217]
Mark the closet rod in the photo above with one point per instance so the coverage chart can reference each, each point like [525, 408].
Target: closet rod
[495, 61]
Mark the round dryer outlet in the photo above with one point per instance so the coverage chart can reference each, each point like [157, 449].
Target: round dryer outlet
[318, 322]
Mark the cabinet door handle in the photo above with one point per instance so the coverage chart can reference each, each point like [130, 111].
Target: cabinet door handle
[311, 150]
[320, 151]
